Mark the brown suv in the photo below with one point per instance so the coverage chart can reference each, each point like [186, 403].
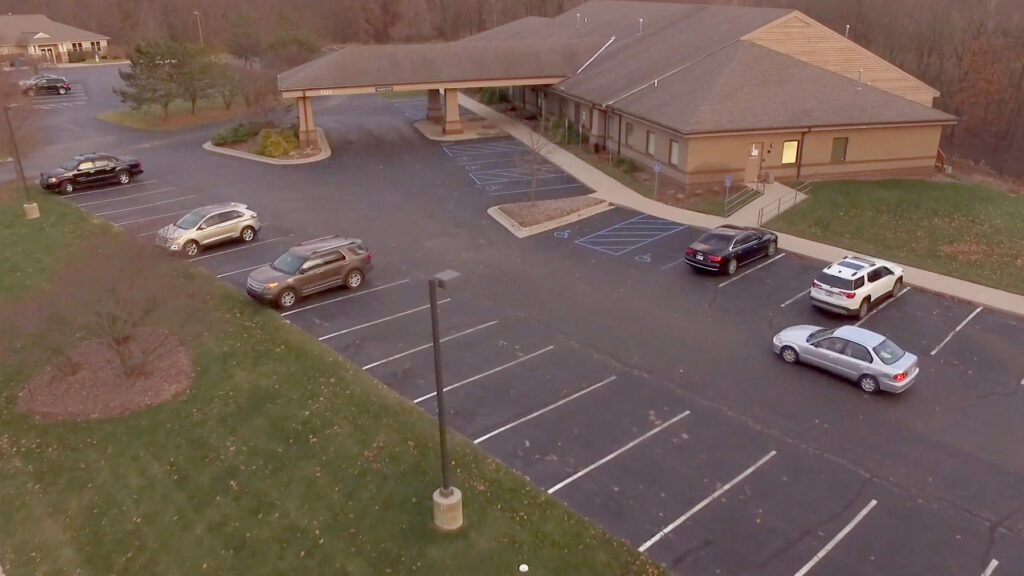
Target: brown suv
[308, 268]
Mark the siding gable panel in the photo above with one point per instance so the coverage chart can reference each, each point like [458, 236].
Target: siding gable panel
[803, 38]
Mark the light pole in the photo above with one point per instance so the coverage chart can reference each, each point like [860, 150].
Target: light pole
[447, 499]
[31, 208]
[199, 23]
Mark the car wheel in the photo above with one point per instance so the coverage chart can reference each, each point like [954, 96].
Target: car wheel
[287, 298]
[772, 248]
[896, 286]
[862, 310]
[124, 177]
[66, 187]
[190, 249]
[248, 233]
[868, 383]
[730, 266]
[62, 91]
[354, 279]
[789, 355]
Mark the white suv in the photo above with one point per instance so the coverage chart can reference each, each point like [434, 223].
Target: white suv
[854, 284]
[209, 225]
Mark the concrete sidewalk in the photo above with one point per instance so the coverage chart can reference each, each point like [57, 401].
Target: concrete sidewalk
[607, 188]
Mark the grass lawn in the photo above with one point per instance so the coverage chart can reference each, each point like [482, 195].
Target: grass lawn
[179, 115]
[283, 459]
[968, 231]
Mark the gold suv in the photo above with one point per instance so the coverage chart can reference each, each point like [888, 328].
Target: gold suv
[209, 225]
[310, 267]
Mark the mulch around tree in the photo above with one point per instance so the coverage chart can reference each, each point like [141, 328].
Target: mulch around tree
[528, 214]
[97, 388]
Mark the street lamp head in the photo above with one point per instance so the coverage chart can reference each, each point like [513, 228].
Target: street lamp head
[195, 12]
[442, 278]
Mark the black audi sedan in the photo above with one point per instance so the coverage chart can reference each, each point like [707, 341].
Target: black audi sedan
[725, 248]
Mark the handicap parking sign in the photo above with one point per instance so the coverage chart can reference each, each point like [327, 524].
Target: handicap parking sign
[728, 180]
[657, 166]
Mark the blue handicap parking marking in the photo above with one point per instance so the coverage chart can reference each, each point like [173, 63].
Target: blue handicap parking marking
[514, 174]
[633, 233]
[460, 150]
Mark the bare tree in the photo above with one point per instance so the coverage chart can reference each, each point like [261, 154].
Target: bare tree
[535, 160]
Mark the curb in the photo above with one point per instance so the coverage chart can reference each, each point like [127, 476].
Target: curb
[325, 152]
[520, 232]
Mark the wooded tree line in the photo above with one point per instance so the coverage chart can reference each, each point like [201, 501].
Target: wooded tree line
[971, 50]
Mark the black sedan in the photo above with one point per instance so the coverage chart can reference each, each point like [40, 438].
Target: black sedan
[725, 248]
[48, 85]
[89, 170]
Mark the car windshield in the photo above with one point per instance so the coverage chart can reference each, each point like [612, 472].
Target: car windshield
[288, 263]
[834, 281]
[888, 352]
[189, 221]
[819, 334]
[717, 241]
[69, 165]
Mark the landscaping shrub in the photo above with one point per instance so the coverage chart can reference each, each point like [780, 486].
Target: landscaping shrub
[276, 142]
[626, 165]
[493, 95]
[238, 133]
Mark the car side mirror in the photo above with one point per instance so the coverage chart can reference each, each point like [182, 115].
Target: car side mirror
[203, 226]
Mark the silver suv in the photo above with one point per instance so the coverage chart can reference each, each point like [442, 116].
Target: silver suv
[209, 225]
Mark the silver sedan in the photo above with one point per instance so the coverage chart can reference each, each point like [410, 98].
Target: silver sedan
[871, 360]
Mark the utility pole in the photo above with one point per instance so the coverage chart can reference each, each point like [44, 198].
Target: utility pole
[31, 208]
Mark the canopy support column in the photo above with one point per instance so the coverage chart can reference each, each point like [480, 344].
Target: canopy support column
[307, 127]
[452, 122]
[434, 112]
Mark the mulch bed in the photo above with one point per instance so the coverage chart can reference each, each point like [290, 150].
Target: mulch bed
[98, 388]
[528, 214]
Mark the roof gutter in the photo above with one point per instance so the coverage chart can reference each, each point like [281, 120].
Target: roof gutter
[596, 54]
[819, 128]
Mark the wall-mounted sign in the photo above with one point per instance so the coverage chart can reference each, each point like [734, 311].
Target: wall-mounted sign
[384, 88]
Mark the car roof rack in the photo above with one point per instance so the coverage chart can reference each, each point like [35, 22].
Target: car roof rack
[342, 242]
[318, 239]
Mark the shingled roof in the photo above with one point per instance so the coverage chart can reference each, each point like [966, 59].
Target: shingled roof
[28, 29]
[685, 67]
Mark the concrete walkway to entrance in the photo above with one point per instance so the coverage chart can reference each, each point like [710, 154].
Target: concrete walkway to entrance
[607, 188]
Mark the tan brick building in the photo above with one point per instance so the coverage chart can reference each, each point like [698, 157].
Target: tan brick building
[41, 40]
[707, 91]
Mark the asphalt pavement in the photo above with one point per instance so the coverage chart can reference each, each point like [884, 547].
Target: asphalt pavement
[595, 362]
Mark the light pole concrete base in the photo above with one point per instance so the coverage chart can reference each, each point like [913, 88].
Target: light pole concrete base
[31, 210]
[448, 509]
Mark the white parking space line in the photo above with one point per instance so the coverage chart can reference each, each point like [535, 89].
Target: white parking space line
[385, 319]
[535, 189]
[345, 297]
[884, 304]
[842, 533]
[125, 197]
[675, 524]
[667, 266]
[794, 298]
[430, 345]
[488, 373]
[543, 410]
[249, 245]
[609, 457]
[242, 270]
[754, 269]
[955, 330]
[151, 217]
[144, 205]
[991, 568]
[110, 188]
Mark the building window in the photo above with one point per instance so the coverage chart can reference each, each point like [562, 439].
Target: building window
[651, 140]
[790, 148]
[673, 152]
[95, 46]
[839, 150]
[76, 46]
[629, 133]
[613, 125]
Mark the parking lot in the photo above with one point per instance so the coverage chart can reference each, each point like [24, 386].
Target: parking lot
[76, 97]
[645, 396]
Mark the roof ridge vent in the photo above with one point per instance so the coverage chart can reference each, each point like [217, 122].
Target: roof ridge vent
[641, 26]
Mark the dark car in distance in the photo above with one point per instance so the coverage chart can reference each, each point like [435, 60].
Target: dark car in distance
[727, 247]
[48, 85]
[90, 170]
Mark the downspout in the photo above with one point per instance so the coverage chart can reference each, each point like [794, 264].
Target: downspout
[618, 142]
[800, 153]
